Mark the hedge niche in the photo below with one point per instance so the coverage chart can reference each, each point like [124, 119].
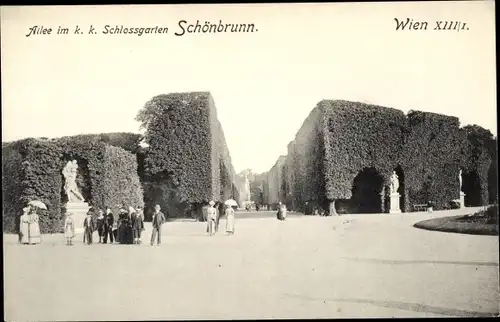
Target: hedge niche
[479, 155]
[187, 162]
[107, 175]
[30, 171]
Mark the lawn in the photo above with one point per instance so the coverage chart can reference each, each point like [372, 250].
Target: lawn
[305, 267]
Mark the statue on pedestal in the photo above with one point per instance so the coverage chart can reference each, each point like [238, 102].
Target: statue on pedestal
[460, 179]
[69, 172]
[394, 183]
[247, 188]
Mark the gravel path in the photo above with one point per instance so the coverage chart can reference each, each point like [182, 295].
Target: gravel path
[305, 267]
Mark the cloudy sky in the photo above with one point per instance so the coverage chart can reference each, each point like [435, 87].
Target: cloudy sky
[264, 83]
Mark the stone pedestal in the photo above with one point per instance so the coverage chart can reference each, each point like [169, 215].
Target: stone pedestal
[333, 211]
[462, 200]
[394, 203]
[79, 211]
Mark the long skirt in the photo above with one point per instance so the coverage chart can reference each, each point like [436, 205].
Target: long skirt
[230, 223]
[211, 226]
[35, 237]
[25, 233]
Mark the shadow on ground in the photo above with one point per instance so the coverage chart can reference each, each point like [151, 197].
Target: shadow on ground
[410, 262]
[415, 307]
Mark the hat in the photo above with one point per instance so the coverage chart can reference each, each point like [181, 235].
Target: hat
[25, 209]
[211, 203]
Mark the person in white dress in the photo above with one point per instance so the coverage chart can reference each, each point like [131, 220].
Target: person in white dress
[229, 220]
[211, 218]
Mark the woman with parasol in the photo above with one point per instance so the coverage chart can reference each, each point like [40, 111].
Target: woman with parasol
[35, 237]
[230, 205]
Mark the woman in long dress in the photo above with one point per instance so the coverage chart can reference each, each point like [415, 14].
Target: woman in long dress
[69, 229]
[35, 237]
[230, 220]
[24, 226]
[211, 218]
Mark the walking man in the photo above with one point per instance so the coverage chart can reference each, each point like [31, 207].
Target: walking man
[158, 220]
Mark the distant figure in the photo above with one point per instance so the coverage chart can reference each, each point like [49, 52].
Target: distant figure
[229, 220]
[69, 229]
[109, 221]
[88, 226]
[157, 222]
[24, 226]
[283, 211]
[211, 218]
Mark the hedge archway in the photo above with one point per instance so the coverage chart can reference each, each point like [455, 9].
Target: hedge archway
[366, 190]
[471, 186]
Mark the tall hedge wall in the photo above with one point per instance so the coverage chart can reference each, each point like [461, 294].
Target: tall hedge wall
[30, 171]
[341, 141]
[107, 175]
[359, 136]
[431, 158]
[187, 150]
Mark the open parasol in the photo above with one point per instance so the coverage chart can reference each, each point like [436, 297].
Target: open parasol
[37, 203]
[231, 203]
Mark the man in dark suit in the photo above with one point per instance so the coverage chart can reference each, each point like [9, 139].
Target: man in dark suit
[157, 222]
[109, 220]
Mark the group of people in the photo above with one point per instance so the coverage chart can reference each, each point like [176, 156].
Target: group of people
[29, 227]
[281, 214]
[127, 229]
[213, 217]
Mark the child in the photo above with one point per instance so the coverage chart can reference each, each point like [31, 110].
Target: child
[69, 229]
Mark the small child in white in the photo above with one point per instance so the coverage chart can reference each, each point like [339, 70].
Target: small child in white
[69, 229]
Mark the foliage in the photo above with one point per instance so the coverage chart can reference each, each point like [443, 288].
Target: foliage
[32, 168]
[341, 139]
[119, 183]
[431, 155]
[187, 150]
[31, 171]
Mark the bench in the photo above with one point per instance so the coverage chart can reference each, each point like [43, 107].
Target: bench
[421, 207]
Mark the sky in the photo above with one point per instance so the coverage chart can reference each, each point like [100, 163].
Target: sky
[264, 83]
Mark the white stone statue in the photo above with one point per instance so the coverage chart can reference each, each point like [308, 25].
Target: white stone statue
[69, 172]
[394, 183]
[460, 178]
[247, 187]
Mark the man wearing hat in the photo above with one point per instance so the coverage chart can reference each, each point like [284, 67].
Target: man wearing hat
[211, 218]
[109, 221]
[157, 222]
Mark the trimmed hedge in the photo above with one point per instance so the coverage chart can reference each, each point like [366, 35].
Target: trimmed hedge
[107, 175]
[275, 178]
[31, 172]
[187, 151]
[344, 147]
[431, 159]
